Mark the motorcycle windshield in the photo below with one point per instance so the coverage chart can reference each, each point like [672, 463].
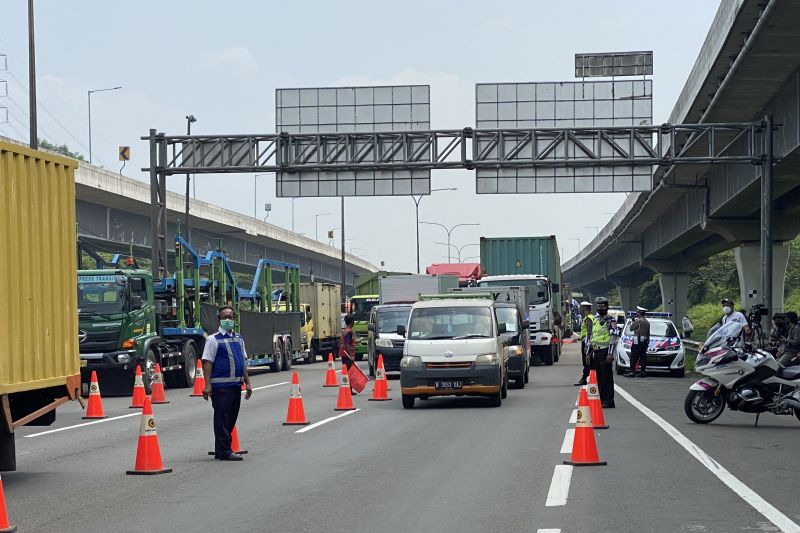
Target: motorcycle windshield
[723, 335]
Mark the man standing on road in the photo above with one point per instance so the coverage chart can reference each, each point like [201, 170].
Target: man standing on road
[586, 346]
[641, 340]
[604, 330]
[224, 360]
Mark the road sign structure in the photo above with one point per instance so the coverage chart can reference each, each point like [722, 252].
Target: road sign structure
[124, 153]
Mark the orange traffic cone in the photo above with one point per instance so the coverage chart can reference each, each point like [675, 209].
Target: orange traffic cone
[158, 387]
[148, 453]
[345, 400]
[95, 407]
[139, 395]
[381, 386]
[330, 375]
[235, 446]
[584, 447]
[595, 406]
[4, 525]
[199, 380]
[296, 416]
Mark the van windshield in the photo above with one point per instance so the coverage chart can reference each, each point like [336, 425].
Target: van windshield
[537, 289]
[431, 323]
[389, 319]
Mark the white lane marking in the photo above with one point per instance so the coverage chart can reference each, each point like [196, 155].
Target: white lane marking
[559, 486]
[548, 531]
[573, 418]
[743, 491]
[270, 386]
[322, 422]
[81, 425]
[569, 438]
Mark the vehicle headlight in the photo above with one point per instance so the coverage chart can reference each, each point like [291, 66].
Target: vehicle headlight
[514, 351]
[489, 359]
[383, 343]
[411, 361]
[123, 358]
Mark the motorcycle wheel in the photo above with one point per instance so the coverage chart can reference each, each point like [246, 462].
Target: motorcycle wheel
[797, 413]
[703, 407]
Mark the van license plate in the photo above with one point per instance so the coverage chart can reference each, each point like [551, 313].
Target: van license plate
[448, 385]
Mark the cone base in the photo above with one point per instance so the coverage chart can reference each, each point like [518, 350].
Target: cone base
[148, 472]
[85, 418]
[379, 399]
[159, 403]
[600, 427]
[330, 385]
[8, 529]
[345, 409]
[296, 423]
[136, 406]
[574, 463]
[195, 396]
[240, 452]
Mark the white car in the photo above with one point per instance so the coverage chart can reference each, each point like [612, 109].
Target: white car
[665, 352]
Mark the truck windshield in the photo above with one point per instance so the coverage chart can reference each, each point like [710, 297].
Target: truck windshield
[389, 319]
[101, 294]
[430, 323]
[537, 290]
[361, 308]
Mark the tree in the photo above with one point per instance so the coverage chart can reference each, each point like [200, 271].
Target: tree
[63, 149]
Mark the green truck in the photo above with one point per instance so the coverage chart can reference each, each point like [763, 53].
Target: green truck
[367, 296]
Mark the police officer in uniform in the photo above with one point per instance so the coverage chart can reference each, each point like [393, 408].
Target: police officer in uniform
[604, 333]
[225, 368]
[586, 346]
[641, 340]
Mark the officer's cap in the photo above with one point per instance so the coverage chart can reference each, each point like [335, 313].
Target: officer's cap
[640, 309]
[585, 304]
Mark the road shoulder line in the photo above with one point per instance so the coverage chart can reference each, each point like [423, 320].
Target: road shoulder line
[325, 421]
[559, 486]
[49, 431]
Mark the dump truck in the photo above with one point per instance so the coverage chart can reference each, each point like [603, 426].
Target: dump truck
[39, 364]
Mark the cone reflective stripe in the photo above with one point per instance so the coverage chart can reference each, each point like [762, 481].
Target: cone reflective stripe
[138, 390]
[345, 400]
[584, 447]
[296, 415]
[5, 526]
[148, 453]
[199, 380]
[330, 374]
[381, 386]
[158, 387]
[595, 406]
[95, 407]
[235, 446]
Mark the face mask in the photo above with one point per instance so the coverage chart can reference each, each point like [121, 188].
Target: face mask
[727, 310]
[227, 324]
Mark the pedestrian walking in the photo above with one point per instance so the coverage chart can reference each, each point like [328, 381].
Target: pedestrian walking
[641, 340]
[604, 333]
[688, 327]
[586, 346]
[347, 345]
[224, 359]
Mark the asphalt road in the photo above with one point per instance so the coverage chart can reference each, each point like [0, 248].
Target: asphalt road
[447, 465]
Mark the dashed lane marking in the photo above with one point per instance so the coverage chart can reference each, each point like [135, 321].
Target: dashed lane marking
[323, 422]
[48, 432]
[573, 418]
[548, 531]
[270, 386]
[569, 438]
[740, 489]
[559, 486]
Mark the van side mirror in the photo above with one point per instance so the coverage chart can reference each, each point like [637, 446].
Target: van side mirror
[501, 328]
[371, 327]
[136, 302]
[401, 330]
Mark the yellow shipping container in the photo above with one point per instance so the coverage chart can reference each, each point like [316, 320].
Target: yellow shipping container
[38, 272]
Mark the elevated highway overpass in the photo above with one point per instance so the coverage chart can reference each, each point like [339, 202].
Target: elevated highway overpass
[748, 68]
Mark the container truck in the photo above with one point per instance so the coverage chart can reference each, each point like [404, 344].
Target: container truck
[321, 322]
[39, 364]
[535, 263]
[407, 289]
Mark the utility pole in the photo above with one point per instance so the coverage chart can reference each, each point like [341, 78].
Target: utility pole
[190, 119]
[344, 272]
[766, 216]
[34, 139]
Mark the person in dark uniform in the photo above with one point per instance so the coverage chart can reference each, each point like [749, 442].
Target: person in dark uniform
[641, 340]
[347, 345]
[586, 345]
[225, 368]
[604, 336]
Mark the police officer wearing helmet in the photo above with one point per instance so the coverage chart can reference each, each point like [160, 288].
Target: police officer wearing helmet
[604, 333]
[586, 347]
[641, 340]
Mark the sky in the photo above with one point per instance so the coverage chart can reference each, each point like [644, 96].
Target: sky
[222, 61]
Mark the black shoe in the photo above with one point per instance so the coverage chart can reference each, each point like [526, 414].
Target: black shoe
[628, 375]
[231, 457]
[581, 383]
[608, 405]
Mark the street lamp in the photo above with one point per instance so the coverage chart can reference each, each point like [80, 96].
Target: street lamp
[417, 200]
[459, 249]
[89, 99]
[579, 244]
[449, 232]
[316, 224]
[190, 119]
[595, 228]
[255, 194]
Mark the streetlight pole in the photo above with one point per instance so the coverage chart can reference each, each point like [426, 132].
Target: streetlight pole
[459, 248]
[89, 100]
[255, 194]
[595, 228]
[579, 244]
[417, 200]
[190, 119]
[316, 224]
[449, 232]
[34, 139]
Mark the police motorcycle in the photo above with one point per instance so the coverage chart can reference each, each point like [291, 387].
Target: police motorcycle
[750, 381]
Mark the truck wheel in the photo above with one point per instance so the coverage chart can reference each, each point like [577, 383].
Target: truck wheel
[149, 371]
[504, 388]
[557, 351]
[408, 401]
[527, 375]
[359, 357]
[184, 377]
[277, 357]
[547, 355]
[371, 366]
[287, 354]
[8, 456]
[496, 400]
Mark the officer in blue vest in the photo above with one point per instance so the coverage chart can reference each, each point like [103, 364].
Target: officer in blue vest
[225, 369]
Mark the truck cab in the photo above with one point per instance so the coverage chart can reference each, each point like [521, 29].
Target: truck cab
[383, 339]
[360, 307]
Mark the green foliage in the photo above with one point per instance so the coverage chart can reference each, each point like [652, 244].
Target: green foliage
[650, 293]
[63, 149]
[716, 280]
[703, 316]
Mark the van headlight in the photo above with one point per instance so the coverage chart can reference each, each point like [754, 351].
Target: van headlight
[489, 359]
[383, 343]
[514, 351]
[411, 361]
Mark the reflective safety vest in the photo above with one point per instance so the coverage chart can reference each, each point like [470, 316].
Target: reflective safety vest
[601, 336]
[228, 367]
[584, 331]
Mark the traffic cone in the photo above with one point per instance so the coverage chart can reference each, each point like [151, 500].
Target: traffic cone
[158, 387]
[595, 406]
[137, 402]
[4, 525]
[199, 380]
[148, 453]
[235, 446]
[584, 447]
[95, 407]
[296, 415]
[330, 375]
[345, 400]
[381, 385]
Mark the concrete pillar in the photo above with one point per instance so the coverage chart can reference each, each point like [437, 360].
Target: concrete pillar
[748, 264]
[629, 297]
[674, 293]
